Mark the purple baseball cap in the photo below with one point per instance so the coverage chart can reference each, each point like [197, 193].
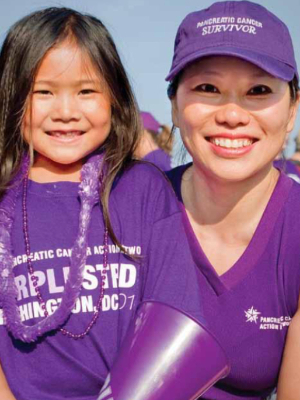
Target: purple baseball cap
[235, 28]
[149, 122]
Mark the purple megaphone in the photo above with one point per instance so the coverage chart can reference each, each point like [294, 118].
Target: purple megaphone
[166, 355]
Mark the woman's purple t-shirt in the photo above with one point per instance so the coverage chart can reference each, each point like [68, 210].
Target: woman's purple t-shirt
[147, 220]
[249, 307]
[289, 168]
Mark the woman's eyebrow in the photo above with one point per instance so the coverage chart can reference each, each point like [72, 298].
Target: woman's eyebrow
[256, 74]
[210, 73]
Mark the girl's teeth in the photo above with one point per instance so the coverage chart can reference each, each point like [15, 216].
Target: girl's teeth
[231, 144]
[65, 134]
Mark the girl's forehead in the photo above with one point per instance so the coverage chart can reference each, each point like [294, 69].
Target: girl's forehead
[67, 60]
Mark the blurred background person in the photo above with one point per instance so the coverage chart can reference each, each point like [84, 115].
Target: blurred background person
[156, 142]
[296, 156]
[290, 166]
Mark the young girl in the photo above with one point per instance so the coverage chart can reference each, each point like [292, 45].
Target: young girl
[69, 126]
[234, 93]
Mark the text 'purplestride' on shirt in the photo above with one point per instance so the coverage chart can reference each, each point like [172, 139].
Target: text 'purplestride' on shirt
[147, 221]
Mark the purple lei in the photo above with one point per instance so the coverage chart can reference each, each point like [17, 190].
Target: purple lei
[89, 195]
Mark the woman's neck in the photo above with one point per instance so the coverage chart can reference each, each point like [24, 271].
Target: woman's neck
[227, 209]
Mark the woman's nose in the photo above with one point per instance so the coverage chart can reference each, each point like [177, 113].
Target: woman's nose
[232, 115]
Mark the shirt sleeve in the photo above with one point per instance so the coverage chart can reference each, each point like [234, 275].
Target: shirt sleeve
[289, 262]
[171, 274]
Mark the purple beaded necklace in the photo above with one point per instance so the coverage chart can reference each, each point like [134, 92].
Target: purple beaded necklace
[89, 195]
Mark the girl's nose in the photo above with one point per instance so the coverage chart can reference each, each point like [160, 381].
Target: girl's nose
[232, 115]
[66, 109]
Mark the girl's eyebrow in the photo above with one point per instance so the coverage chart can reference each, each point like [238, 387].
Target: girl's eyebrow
[76, 82]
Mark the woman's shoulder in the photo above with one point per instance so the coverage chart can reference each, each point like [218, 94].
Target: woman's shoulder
[285, 207]
[178, 171]
[293, 202]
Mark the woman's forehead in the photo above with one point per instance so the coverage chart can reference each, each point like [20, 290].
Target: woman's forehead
[221, 66]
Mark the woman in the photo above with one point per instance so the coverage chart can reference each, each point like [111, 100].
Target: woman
[234, 93]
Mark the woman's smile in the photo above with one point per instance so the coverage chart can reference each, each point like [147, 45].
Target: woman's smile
[234, 117]
[231, 146]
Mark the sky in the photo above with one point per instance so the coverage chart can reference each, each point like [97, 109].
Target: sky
[144, 32]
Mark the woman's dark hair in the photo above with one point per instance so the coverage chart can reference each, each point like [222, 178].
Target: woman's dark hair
[294, 89]
[22, 52]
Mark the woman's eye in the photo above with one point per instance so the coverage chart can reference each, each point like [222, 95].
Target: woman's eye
[206, 88]
[259, 90]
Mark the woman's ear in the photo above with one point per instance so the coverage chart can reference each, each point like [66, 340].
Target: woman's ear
[174, 112]
[293, 113]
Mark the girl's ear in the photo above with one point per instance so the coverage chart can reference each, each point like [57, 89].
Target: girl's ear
[293, 114]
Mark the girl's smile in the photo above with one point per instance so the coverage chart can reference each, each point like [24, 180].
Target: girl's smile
[65, 135]
[69, 115]
[233, 116]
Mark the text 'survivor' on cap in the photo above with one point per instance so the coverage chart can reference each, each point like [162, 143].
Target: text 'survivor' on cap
[235, 28]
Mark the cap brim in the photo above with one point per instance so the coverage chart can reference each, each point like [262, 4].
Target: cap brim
[271, 65]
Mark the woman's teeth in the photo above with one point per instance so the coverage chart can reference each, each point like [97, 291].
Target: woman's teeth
[231, 143]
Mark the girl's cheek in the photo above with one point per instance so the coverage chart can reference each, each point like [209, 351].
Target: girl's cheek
[40, 109]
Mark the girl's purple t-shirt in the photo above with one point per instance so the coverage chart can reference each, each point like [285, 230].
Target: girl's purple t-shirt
[159, 158]
[147, 220]
[249, 308]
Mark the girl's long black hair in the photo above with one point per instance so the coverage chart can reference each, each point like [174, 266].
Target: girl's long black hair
[23, 50]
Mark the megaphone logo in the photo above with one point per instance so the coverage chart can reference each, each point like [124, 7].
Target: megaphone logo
[106, 392]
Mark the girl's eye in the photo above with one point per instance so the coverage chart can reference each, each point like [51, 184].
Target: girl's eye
[87, 91]
[259, 90]
[206, 88]
[42, 92]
